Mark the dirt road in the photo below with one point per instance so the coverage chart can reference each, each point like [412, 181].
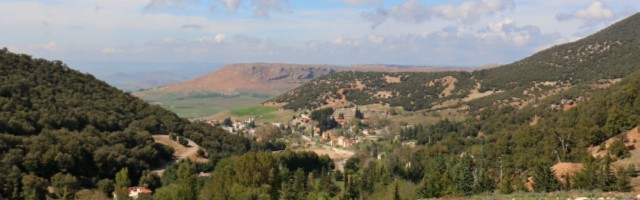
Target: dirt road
[181, 152]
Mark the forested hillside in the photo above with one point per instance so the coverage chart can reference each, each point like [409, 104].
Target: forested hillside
[411, 90]
[610, 54]
[562, 135]
[63, 128]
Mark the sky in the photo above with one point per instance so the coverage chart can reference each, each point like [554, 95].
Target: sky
[340, 32]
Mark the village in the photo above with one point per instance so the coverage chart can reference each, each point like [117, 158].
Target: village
[349, 131]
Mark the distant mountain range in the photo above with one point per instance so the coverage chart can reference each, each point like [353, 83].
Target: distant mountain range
[270, 78]
[132, 76]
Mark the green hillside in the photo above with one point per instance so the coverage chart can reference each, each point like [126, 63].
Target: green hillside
[410, 90]
[62, 127]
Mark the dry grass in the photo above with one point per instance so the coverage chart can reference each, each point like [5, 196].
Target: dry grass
[391, 79]
[566, 169]
[178, 149]
[476, 94]
[449, 81]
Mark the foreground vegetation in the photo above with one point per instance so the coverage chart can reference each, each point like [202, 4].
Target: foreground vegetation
[62, 128]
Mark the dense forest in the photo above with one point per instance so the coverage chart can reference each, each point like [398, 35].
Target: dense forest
[60, 127]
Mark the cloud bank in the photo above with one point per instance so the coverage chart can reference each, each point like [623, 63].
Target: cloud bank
[414, 11]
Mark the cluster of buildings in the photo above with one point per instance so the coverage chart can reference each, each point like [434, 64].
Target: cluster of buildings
[342, 141]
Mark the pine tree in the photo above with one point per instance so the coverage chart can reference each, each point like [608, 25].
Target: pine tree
[506, 187]
[464, 178]
[351, 191]
[396, 190]
[484, 183]
[544, 179]
[122, 184]
[287, 191]
[186, 182]
[299, 183]
[327, 184]
[358, 114]
[622, 181]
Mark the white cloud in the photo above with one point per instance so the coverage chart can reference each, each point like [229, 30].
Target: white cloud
[167, 3]
[52, 46]
[361, 1]
[342, 41]
[110, 50]
[219, 37]
[232, 5]
[262, 8]
[507, 31]
[596, 11]
[414, 11]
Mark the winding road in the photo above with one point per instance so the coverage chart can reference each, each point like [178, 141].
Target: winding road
[181, 152]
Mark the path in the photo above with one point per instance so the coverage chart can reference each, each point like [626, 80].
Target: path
[181, 152]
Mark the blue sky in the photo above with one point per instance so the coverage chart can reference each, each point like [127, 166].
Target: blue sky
[344, 32]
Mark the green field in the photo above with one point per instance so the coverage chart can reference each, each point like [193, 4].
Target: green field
[193, 107]
[256, 111]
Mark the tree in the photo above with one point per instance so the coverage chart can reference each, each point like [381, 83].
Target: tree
[351, 190]
[352, 165]
[65, 185]
[299, 182]
[149, 180]
[227, 122]
[327, 184]
[544, 179]
[122, 184]
[396, 190]
[506, 187]
[187, 185]
[358, 114]
[106, 186]
[287, 192]
[622, 181]
[484, 183]
[33, 187]
[183, 141]
[618, 149]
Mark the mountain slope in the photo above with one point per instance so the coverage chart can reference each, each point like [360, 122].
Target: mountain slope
[261, 78]
[59, 124]
[606, 55]
[269, 78]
